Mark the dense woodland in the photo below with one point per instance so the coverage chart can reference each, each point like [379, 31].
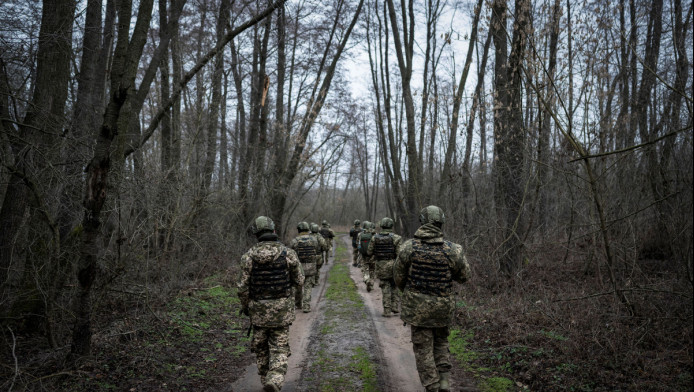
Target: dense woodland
[140, 138]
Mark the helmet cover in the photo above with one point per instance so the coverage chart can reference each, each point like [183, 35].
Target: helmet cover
[386, 223]
[432, 214]
[262, 223]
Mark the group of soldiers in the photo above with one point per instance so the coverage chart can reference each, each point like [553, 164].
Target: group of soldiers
[416, 279]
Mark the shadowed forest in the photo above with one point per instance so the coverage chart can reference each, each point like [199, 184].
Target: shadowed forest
[140, 138]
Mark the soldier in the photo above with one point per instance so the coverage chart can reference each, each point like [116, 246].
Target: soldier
[353, 233]
[315, 232]
[425, 270]
[384, 247]
[366, 262]
[328, 234]
[307, 248]
[268, 272]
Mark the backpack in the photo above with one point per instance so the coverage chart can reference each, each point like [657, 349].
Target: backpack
[364, 242]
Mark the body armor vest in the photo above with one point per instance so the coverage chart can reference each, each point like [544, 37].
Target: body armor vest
[354, 233]
[430, 272]
[270, 280]
[384, 247]
[306, 250]
[325, 232]
[364, 245]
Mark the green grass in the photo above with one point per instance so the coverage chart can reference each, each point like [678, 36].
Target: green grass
[366, 369]
[458, 342]
[496, 384]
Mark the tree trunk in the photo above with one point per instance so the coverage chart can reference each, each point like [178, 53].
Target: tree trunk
[509, 132]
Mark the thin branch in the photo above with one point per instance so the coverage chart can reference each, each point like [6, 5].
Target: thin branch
[673, 133]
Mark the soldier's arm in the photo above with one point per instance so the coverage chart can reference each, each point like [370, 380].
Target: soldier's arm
[401, 267]
[397, 241]
[296, 272]
[460, 269]
[244, 282]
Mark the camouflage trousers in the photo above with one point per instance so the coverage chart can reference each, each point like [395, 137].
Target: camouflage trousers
[391, 296]
[431, 354]
[271, 348]
[355, 257]
[309, 282]
[368, 269]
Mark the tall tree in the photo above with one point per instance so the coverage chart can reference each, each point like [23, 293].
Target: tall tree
[509, 134]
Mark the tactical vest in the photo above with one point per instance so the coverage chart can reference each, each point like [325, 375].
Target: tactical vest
[364, 242]
[306, 250]
[354, 233]
[384, 247]
[270, 280]
[325, 232]
[430, 272]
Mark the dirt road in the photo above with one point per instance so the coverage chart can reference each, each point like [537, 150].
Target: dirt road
[345, 343]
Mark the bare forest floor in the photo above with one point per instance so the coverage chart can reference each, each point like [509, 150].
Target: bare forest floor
[556, 327]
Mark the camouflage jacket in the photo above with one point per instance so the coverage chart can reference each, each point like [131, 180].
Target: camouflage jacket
[420, 309]
[270, 312]
[308, 267]
[384, 268]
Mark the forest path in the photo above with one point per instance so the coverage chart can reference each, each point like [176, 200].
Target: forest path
[344, 343]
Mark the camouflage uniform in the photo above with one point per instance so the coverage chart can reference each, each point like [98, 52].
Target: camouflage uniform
[268, 271]
[328, 234]
[384, 247]
[367, 263]
[307, 248]
[323, 245]
[353, 233]
[424, 270]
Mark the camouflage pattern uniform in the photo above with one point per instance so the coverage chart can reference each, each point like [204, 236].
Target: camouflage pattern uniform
[353, 233]
[323, 245]
[425, 269]
[367, 263]
[268, 272]
[328, 234]
[384, 249]
[307, 248]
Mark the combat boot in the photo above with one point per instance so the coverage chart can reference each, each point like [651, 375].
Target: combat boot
[444, 383]
[387, 312]
[271, 387]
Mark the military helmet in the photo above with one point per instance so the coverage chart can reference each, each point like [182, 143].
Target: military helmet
[372, 225]
[262, 223]
[303, 226]
[386, 223]
[314, 228]
[357, 222]
[432, 214]
[325, 223]
[365, 224]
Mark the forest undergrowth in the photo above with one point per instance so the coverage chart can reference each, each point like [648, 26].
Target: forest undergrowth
[558, 327]
[555, 327]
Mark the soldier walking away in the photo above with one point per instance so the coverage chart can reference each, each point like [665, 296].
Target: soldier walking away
[268, 272]
[307, 249]
[353, 233]
[323, 246]
[328, 234]
[425, 270]
[384, 248]
[368, 265]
